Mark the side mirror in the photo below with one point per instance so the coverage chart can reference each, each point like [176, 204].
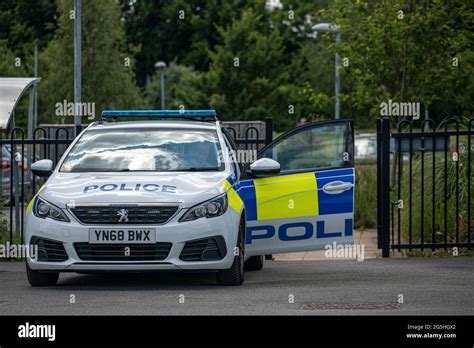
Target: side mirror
[264, 167]
[42, 168]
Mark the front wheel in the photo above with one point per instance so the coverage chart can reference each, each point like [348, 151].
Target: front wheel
[36, 278]
[235, 274]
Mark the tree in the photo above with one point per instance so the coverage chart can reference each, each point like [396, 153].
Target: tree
[182, 88]
[407, 51]
[107, 61]
[247, 79]
[8, 63]
[179, 29]
[22, 25]
[310, 61]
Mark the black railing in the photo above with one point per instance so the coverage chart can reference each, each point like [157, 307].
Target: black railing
[429, 204]
[18, 183]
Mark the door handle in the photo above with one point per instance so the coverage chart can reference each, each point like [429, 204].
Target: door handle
[336, 187]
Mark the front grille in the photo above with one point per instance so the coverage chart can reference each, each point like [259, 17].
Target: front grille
[49, 250]
[207, 249]
[133, 214]
[122, 252]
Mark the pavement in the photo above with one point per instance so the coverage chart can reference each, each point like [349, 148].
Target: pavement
[395, 286]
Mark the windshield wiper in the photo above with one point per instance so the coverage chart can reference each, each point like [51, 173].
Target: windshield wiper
[194, 169]
[93, 170]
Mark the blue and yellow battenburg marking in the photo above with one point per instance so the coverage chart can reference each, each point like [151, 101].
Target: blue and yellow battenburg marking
[235, 202]
[30, 205]
[294, 195]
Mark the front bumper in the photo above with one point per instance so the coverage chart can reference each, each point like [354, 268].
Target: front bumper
[174, 232]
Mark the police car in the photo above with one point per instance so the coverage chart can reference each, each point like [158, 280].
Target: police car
[169, 194]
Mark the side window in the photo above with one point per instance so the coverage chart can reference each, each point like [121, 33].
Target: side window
[311, 148]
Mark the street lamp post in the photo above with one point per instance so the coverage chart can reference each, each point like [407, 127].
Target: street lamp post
[331, 28]
[162, 66]
[77, 66]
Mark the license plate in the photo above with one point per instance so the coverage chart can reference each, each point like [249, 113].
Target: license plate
[122, 235]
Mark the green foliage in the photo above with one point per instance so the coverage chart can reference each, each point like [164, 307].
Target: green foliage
[4, 230]
[365, 196]
[282, 63]
[22, 25]
[7, 62]
[247, 78]
[404, 50]
[180, 29]
[182, 88]
[425, 217]
[271, 78]
[316, 103]
[309, 60]
[106, 79]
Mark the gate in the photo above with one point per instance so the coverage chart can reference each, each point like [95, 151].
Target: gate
[424, 184]
[18, 184]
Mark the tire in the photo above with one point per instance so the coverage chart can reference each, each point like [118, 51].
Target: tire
[36, 278]
[235, 274]
[254, 263]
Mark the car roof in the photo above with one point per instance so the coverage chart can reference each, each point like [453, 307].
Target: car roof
[155, 124]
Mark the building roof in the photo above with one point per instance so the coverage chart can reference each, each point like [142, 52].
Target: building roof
[11, 91]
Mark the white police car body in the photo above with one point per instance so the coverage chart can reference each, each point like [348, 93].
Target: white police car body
[169, 195]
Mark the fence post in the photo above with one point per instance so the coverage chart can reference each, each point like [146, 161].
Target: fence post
[379, 183]
[268, 130]
[384, 186]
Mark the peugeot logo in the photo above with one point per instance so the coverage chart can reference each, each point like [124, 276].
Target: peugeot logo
[123, 215]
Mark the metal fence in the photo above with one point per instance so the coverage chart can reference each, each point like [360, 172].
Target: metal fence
[424, 184]
[250, 135]
[18, 184]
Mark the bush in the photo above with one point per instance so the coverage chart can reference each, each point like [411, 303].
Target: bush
[424, 220]
[365, 195]
[4, 231]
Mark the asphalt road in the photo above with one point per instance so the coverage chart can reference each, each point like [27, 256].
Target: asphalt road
[436, 286]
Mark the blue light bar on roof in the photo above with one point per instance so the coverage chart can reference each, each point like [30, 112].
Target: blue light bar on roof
[159, 113]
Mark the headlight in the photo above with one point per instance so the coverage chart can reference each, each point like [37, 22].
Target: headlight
[209, 209]
[43, 209]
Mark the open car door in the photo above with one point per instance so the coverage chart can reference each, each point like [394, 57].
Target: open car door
[308, 202]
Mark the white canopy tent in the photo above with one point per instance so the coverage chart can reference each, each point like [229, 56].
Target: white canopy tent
[11, 91]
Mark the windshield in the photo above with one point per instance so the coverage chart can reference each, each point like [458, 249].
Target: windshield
[160, 150]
